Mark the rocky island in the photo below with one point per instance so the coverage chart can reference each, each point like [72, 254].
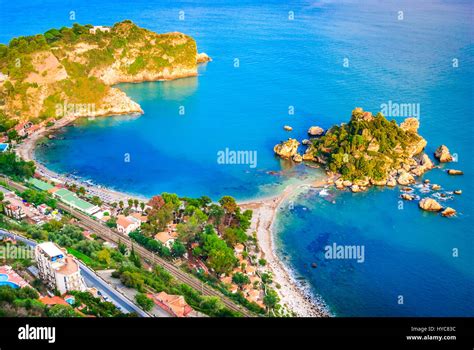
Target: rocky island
[70, 71]
[369, 150]
[372, 151]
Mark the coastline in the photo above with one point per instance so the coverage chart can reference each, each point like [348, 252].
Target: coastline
[265, 210]
[264, 215]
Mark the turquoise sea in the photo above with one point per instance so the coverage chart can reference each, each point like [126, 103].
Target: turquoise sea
[332, 57]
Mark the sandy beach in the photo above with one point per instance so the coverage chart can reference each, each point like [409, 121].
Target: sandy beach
[264, 214]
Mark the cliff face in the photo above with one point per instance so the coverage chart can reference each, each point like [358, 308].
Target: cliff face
[78, 65]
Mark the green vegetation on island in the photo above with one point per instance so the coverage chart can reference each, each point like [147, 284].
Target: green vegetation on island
[367, 146]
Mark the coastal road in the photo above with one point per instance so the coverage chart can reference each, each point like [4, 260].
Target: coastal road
[91, 279]
[115, 237]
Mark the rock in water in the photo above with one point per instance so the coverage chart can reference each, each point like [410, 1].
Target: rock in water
[202, 58]
[405, 178]
[287, 149]
[448, 212]
[355, 188]
[407, 197]
[391, 182]
[297, 158]
[443, 155]
[287, 128]
[410, 124]
[455, 172]
[429, 204]
[458, 192]
[315, 131]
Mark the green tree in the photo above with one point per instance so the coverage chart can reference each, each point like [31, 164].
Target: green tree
[61, 311]
[144, 302]
[104, 256]
[240, 279]
[178, 249]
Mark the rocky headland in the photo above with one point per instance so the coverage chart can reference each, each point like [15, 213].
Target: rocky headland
[70, 71]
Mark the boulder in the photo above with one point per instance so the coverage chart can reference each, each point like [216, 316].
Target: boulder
[448, 212]
[429, 204]
[407, 197]
[315, 131]
[455, 172]
[355, 188]
[202, 58]
[287, 149]
[435, 187]
[306, 142]
[309, 154]
[424, 164]
[443, 155]
[347, 183]
[287, 128]
[361, 182]
[405, 178]
[339, 184]
[391, 182]
[410, 124]
[382, 182]
[458, 192]
[297, 158]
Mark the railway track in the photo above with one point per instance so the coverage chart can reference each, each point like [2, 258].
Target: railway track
[115, 237]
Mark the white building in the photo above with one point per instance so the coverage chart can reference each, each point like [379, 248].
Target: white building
[127, 224]
[59, 270]
[96, 29]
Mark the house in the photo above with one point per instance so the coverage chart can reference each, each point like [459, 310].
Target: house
[250, 270]
[33, 129]
[226, 280]
[239, 248]
[254, 295]
[234, 288]
[126, 224]
[59, 270]
[174, 304]
[138, 216]
[167, 238]
[43, 208]
[96, 29]
[54, 300]
[14, 211]
[22, 128]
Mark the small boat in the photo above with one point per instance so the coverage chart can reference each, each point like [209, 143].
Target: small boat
[287, 128]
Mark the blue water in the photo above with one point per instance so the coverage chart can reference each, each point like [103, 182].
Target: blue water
[296, 63]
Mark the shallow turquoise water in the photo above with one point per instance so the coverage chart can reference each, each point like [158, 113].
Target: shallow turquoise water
[296, 63]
